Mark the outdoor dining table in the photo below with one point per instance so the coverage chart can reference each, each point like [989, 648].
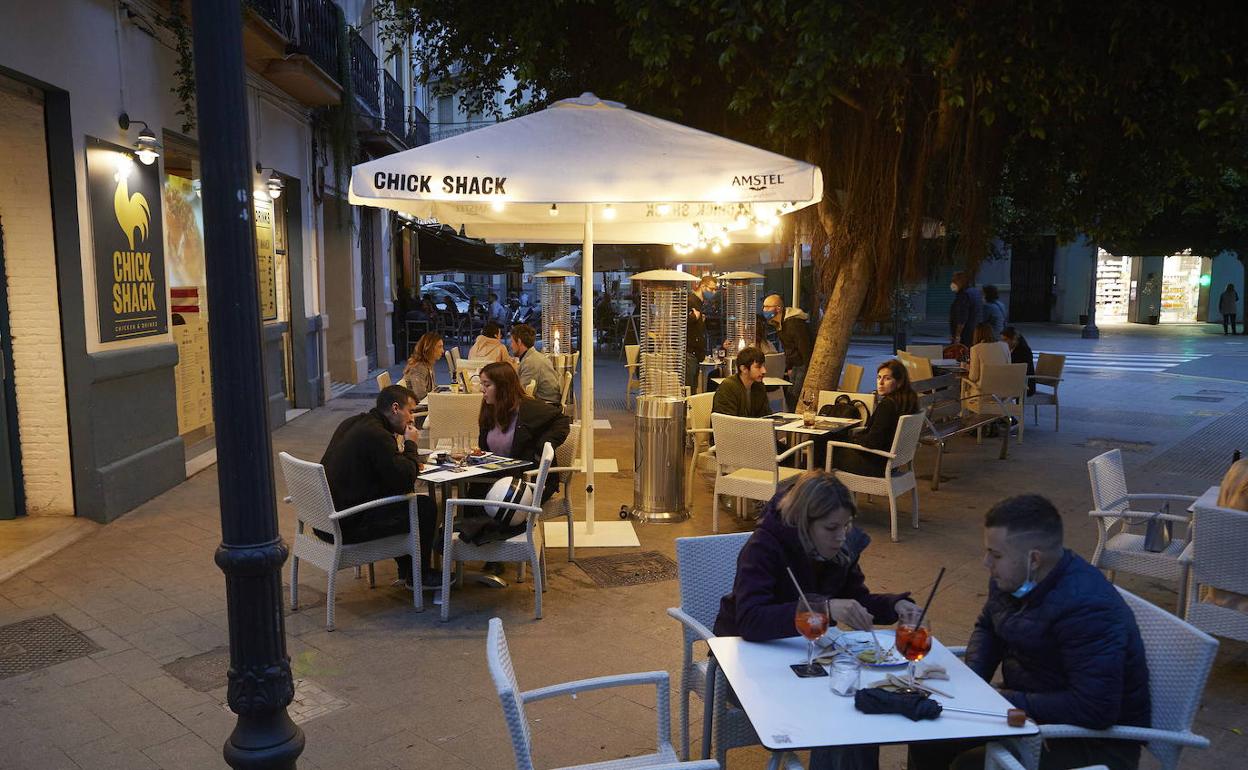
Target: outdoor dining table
[790, 713]
[771, 382]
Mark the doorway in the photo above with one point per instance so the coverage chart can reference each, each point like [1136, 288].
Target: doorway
[368, 283]
[12, 496]
[1180, 288]
[1031, 278]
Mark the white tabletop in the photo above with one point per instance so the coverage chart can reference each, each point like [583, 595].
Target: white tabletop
[496, 464]
[791, 713]
[829, 425]
[946, 362]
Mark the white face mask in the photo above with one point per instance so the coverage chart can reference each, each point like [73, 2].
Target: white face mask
[953, 287]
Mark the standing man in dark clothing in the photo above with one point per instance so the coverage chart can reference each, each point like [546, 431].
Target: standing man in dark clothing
[1228, 306]
[966, 310]
[743, 394]
[695, 339]
[793, 331]
[363, 463]
[1067, 644]
[1020, 353]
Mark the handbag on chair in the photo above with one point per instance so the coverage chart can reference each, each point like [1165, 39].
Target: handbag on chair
[1158, 532]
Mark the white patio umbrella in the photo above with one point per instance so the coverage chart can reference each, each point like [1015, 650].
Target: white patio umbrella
[590, 171]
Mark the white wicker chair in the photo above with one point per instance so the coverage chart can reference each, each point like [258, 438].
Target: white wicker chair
[451, 354]
[632, 366]
[998, 757]
[699, 415]
[565, 394]
[775, 368]
[708, 567]
[528, 546]
[314, 509]
[383, 380]
[1179, 659]
[747, 464]
[1049, 368]
[559, 506]
[1116, 548]
[899, 476]
[513, 701]
[1216, 553]
[451, 415]
[829, 396]
[1008, 382]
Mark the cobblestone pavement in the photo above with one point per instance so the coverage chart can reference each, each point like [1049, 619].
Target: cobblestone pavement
[392, 688]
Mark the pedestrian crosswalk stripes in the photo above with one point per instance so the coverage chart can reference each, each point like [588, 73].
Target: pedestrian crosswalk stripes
[1103, 361]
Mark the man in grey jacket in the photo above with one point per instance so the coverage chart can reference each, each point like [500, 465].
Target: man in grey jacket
[534, 365]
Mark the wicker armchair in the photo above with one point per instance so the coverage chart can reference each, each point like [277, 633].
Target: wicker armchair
[1179, 659]
[708, 567]
[899, 476]
[513, 702]
[559, 506]
[450, 415]
[632, 366]
[314, 509]
[698, 414]
[747, 464]
[1216, 556]
[1049, 368]
[528, 546]
[1116, 548]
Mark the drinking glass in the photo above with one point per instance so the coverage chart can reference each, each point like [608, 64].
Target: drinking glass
[845, 674]
[914, 640]
[811, 620]
[459, 449]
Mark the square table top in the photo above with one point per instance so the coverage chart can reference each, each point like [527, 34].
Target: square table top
[771, 382]
[822, 427]
[791, 713]
[495, 464]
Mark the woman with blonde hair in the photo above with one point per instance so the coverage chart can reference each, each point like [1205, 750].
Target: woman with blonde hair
[1233, 493]
[419, 369]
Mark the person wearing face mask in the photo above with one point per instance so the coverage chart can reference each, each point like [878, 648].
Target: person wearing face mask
[893, 398]
[792, 329]
[700, 300]
[1067, 644]
[966, 311]
[807, 528]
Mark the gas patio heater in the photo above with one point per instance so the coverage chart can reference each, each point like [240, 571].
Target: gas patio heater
[659, 437]
[556, 312]
[740, 292]
[586, 171]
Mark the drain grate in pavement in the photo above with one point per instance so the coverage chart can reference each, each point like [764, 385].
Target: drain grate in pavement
[356, 394]
[610, 405]
[203, 672]
[628, 569]
[1206, 453]
[1219, 392]
[1104, 444]
[38, 643]
[1207, 399]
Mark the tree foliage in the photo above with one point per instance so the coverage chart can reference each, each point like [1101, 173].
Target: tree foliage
[990, 118]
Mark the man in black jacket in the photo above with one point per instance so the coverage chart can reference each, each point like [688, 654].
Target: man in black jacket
[363, 463]
[1067, 644]
[1020, 353]
[743, 394]
[793, 331]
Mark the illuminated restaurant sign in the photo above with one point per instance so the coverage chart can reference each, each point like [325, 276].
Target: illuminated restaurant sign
[129, 252]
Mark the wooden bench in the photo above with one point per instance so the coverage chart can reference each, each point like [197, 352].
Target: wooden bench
[940, 399]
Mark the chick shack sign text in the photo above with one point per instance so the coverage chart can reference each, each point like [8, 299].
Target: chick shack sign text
[129, 243]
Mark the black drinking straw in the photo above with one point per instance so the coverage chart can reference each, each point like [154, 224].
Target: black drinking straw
[930, 596]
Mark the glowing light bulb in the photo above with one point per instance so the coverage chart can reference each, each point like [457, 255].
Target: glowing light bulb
[608, 212]
[554, 209]
[497, 205]
[763, 229]
[716, 248]
[741, 344]
[663, 209]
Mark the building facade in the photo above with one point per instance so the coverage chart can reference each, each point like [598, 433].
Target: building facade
[107, 395]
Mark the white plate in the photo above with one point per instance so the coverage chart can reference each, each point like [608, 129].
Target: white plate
[860, 641]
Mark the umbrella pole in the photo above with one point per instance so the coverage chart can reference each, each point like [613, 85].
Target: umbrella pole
[587, 364]
[797, 275]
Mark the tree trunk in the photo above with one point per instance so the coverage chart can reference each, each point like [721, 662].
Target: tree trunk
[832, 341]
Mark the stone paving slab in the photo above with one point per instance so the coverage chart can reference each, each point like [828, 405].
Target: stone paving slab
[145, 590]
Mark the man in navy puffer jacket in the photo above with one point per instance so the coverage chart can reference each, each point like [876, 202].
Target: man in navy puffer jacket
[1067, 644]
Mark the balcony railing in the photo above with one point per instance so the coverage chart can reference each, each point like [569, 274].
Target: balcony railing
[418, 132]
[319, 23]
[279, 13]
[393, 115]
[365, 73]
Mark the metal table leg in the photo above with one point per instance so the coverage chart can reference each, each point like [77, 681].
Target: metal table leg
[708, 706]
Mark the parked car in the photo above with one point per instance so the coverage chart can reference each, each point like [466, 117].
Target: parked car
[438, 290]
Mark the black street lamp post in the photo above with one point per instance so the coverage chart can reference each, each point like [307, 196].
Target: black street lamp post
[1090, 332]
[251, 551]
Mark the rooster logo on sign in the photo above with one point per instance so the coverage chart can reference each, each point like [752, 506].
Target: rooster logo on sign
[132, 210]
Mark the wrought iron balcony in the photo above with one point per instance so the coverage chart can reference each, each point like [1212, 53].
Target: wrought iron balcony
[393, 115]
[418, 132]
[365, 74]
[319, 23]
[278, 13]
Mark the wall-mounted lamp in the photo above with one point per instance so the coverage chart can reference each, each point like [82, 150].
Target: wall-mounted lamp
[274, 184]
[146, 146]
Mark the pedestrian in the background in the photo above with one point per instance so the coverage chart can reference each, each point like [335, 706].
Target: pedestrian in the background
[793, 331]
[1228, 306]
[994, 311]
[695, 340]
[965, 312]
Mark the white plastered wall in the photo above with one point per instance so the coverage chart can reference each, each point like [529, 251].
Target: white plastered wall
[34, 308]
